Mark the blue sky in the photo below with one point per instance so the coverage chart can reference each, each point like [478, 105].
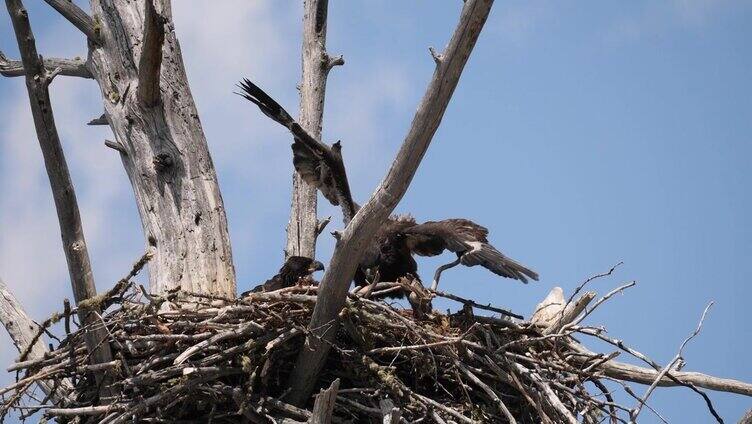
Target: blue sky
[581, 134]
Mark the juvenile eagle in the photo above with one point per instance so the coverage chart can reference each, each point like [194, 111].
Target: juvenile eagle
[391, 251]
[295, 268]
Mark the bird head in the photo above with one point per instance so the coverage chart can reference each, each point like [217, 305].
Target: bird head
[315, 266]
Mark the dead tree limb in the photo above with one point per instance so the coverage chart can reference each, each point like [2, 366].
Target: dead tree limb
[69, 67]
[370, 217]
[77, 17]
[316, 63]
[324, 405]
[22, 330]
[150, 63]
[642, 375]
[74, 244]
[635, 412]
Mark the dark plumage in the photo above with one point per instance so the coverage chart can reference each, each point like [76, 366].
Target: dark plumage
[399, 238]
[391, 251]
[295, 268]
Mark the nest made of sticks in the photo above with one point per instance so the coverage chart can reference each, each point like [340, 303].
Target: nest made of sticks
[194, 358]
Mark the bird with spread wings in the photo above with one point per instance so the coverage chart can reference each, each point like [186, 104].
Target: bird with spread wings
[391, 251]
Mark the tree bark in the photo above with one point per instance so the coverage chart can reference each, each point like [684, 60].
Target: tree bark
[164, 149]
[22, 330]
[303, 225]
[74, 244]
[353, 242]
[69, 67]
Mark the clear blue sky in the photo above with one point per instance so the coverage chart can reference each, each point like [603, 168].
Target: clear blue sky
[581, 134]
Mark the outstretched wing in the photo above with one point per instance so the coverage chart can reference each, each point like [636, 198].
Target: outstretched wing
[470, 241]
[318, 164]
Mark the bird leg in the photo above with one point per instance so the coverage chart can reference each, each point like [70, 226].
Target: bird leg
[441, 269]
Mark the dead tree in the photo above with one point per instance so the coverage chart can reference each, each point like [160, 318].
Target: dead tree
[354, 240]
[135, 58]
[304, 225]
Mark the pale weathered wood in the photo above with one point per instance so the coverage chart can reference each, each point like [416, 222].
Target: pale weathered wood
[324, 405]
[356, 237]
[747, 418]
[570, 312]
[22, 330]
[302, 228]
[151, 56]
[390, 413]
[74, 244]
[164, 152]
[69, 67]
[77, 17]
[549, 309]
[637, 374]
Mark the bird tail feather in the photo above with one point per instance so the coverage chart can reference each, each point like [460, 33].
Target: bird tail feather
[268, 106]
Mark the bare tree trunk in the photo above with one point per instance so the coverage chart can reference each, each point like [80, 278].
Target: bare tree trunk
[38, 80]
[302, 228]
[150, 109]
[355, 239]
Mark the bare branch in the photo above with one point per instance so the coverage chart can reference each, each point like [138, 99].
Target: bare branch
[101, 120]
[22, 330]
[351, 246]
[77, 17]
[150, 62]
[629, 372]
[116, 146]
[74, 244]
[679, 356]
[316, 63]
[75, 67]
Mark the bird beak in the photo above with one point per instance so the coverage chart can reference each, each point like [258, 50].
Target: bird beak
[316, 266]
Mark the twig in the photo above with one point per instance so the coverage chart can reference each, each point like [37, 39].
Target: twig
[679, 355]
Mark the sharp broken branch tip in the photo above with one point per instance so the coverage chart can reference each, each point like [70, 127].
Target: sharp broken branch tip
[332, 61]
[437, 57]
[116, 145]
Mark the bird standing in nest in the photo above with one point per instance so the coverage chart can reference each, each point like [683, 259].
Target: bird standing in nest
[391, 250]
[294, 269]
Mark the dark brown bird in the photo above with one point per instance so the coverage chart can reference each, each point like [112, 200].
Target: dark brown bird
[295, 268]
[391, 251]
[401, 237]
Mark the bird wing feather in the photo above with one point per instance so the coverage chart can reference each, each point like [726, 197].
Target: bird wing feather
[470, 241]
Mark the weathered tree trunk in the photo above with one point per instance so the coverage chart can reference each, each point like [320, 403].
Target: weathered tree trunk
[150, 109]
[303, 225]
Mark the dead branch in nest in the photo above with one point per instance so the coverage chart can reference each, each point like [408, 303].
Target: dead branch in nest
[186, 356]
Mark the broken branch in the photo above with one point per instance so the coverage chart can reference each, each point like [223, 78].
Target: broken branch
[75, 67]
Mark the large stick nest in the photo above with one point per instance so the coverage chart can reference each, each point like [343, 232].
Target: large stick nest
[190, 358]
